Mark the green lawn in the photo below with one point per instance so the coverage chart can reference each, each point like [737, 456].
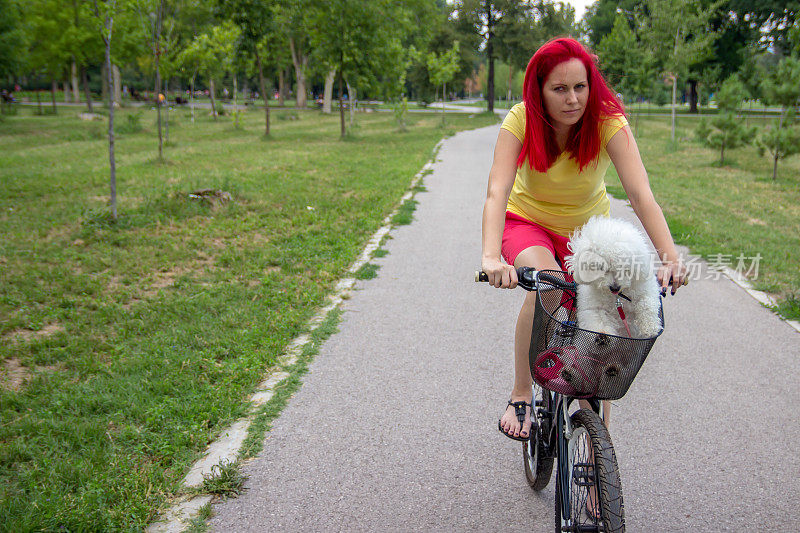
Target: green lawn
[126, 347]
[732, 210]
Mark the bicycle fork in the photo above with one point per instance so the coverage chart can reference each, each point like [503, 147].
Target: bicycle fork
[563, 426]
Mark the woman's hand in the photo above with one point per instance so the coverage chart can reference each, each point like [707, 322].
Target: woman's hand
[675, 271]
[501, 275]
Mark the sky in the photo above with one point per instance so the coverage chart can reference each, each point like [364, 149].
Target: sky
[580, 7]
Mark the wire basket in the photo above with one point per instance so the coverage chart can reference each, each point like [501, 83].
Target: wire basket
[577, 362]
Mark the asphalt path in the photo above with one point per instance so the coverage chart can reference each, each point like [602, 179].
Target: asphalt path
[395, 426]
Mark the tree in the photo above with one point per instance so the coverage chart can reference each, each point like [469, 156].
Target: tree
[50, 53]
[770, 21]
[435, 29]
[152, 12]
[256, 20]
[601, 16]
[513, 29]
[361, 40]
[677, 31]
[13, 45]
[104, 12]
[299, 18]
[625, 63]
[212, 54]
[482, 16]
[619, 53]
[782, 139]
[82, 43]
[734, 34]
[727, 130]
[442, 68]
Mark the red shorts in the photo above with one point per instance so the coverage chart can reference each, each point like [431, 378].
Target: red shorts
[520, 233]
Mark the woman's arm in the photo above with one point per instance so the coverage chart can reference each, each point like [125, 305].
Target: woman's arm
[624, 154]
[501, 180]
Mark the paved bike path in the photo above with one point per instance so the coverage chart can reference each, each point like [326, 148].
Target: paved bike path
[395, 426]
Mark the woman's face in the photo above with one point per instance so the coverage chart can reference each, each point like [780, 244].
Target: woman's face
[565, 92]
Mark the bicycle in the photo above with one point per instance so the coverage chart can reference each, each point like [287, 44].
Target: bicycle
[567, 364]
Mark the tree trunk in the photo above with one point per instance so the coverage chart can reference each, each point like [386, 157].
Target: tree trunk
[158, 112]
[67, 94]
[281, 88]
[85, 77]
[111, 158]
[341, 102]
[693, 96]
[104, 84]
[117, 85]
[76, 93]
[326, 101]
[775, 166]
[674, 94]
[510, 80]
[53, 89]
[351, 100]
[191, 97]
[300, 61]
[490, 56]
[444, 92]
[166, 111]
[235, 103]
[157, 52]
[213, 100]
[722, 155]
[263, 87]
[39, 102]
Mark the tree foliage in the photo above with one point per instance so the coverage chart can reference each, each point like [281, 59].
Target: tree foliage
[727, 130]
[782, 138]
[361, 40]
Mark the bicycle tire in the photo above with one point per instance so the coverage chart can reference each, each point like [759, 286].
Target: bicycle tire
[604, 474]
[538, 469]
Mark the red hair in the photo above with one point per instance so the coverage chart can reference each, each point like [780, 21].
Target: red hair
[583, 141]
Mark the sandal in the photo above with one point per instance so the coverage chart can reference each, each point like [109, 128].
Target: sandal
[519, 410]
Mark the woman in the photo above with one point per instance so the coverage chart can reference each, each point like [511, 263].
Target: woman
[547, 179]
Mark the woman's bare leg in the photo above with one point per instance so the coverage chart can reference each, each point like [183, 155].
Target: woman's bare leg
[539, 258]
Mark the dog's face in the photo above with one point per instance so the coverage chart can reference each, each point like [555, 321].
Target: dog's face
[613, 268]
[608, 253]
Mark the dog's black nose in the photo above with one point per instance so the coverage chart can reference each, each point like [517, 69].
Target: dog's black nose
[614, 288]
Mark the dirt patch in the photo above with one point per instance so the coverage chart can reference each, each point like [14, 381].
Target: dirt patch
[13, 375]
[25, 335]
[755, 221]
[62, 232]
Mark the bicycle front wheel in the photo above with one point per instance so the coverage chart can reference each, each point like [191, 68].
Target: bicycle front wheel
[594, 490]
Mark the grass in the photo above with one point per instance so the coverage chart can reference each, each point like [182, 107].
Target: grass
[268, 412]
[405, 213]
[734, 210]
[367, 271]
[132, 343]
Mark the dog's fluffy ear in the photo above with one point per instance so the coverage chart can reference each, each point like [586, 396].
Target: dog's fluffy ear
[569, 262]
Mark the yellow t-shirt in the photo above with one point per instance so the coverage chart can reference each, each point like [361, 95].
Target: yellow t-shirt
[563, 198]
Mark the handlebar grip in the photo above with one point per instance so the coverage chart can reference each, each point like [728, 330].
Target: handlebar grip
[480, 276]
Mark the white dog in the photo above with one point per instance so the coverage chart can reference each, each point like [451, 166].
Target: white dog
[610, 256]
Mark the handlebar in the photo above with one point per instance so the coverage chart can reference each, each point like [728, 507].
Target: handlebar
[527, 278]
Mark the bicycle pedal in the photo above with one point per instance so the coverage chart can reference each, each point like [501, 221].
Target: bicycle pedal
[583, 474]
